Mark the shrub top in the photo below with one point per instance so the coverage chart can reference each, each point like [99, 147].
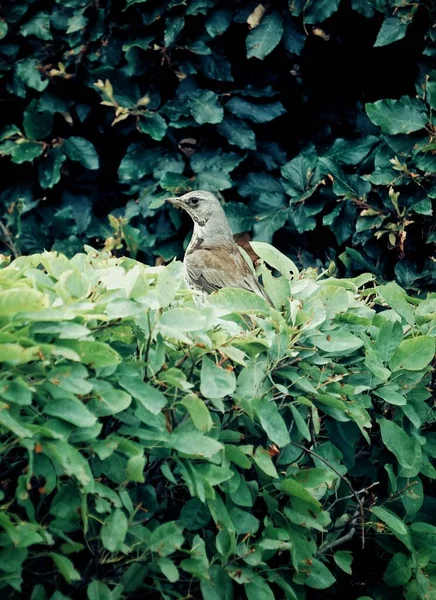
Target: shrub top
[150, 447]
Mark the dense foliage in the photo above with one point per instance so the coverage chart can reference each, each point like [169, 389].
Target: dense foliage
[305, 114]
[153, 449]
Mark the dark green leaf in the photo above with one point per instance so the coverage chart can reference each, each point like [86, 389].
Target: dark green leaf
[114, 530]
[392, 29]
[49, 169]
[413, 354]
[153, 125]
[238, 133]
[205, 107]
[398, 116]
[81, 150]
[258, 113]
[391, 520]
[39, 26]
[398, 442]
[166, 539]
[264, 38]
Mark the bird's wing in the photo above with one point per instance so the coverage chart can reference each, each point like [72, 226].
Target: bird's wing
[211, 269]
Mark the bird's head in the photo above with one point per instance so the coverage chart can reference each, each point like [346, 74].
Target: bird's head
[200, 205]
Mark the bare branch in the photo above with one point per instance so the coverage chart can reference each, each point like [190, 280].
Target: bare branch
[8, 240]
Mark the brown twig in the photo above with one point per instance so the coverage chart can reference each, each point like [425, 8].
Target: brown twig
[8, 240]
[346, 537]
[354, 494]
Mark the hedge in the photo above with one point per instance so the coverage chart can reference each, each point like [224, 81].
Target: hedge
[151, 448]
[313, 118]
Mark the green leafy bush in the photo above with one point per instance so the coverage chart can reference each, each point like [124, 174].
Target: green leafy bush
[314, 118]
[153, 448]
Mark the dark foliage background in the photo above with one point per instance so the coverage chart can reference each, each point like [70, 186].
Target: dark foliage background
[309, 118]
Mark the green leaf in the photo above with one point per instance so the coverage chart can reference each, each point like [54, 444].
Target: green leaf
[198, 564]
[398, 442]
[236, 456]
[216, 382]
[190, 442]
[97, 590]
[70, 460]
[168, 569]
[396, 298]
[114, 530]
[14, 301]
[398, 116]
[39, 26]
[258, 113]
[26, 151]
[244, 521]
[351, 152]
[238, 133]
[391, 520]
[151, 398]
[337, 341]
[205, 107]
[295, 489]
[70, 410]
[258, 589]
[391, 30]
[198, 412]
[65, 567]
[216, 66]
[49, 169]
[388, 394]
[319, 577]
[413, 354]
[81, 150]
[37, 123]
[262, 40]
[343, 559]
[194, 514]
[300, 175]
[398, 571]
[28, 72]
[173, 26]
[11, 424]
[16, 391]
[300, 423]
[229, 300]
[3, 29]
[182, 320]
[271, 421]
[166, 539]
[388, 339]
[263, 460]
[135, 468]
[96, 354]
[275, 259]
[219, 586]
[219, 21]
[152, 124]
[76, 23]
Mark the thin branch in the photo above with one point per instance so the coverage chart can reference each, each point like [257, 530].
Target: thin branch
[362, 491]
[8, 240]
[342, 540]
[354, 494]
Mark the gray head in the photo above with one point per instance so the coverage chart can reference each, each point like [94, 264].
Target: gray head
[201, 206]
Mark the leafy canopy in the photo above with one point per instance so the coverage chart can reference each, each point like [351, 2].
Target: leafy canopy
[236, 450]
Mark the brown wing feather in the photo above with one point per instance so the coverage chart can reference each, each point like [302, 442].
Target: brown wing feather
[211, 269]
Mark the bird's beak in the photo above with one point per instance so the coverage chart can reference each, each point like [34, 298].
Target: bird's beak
[174, 201]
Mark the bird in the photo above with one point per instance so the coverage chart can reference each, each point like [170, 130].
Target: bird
[212, 259]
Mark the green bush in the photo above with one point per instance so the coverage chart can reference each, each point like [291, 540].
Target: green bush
[314, 118]
[153, 449]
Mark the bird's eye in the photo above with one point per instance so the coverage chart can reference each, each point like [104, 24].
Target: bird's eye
[194, 201]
